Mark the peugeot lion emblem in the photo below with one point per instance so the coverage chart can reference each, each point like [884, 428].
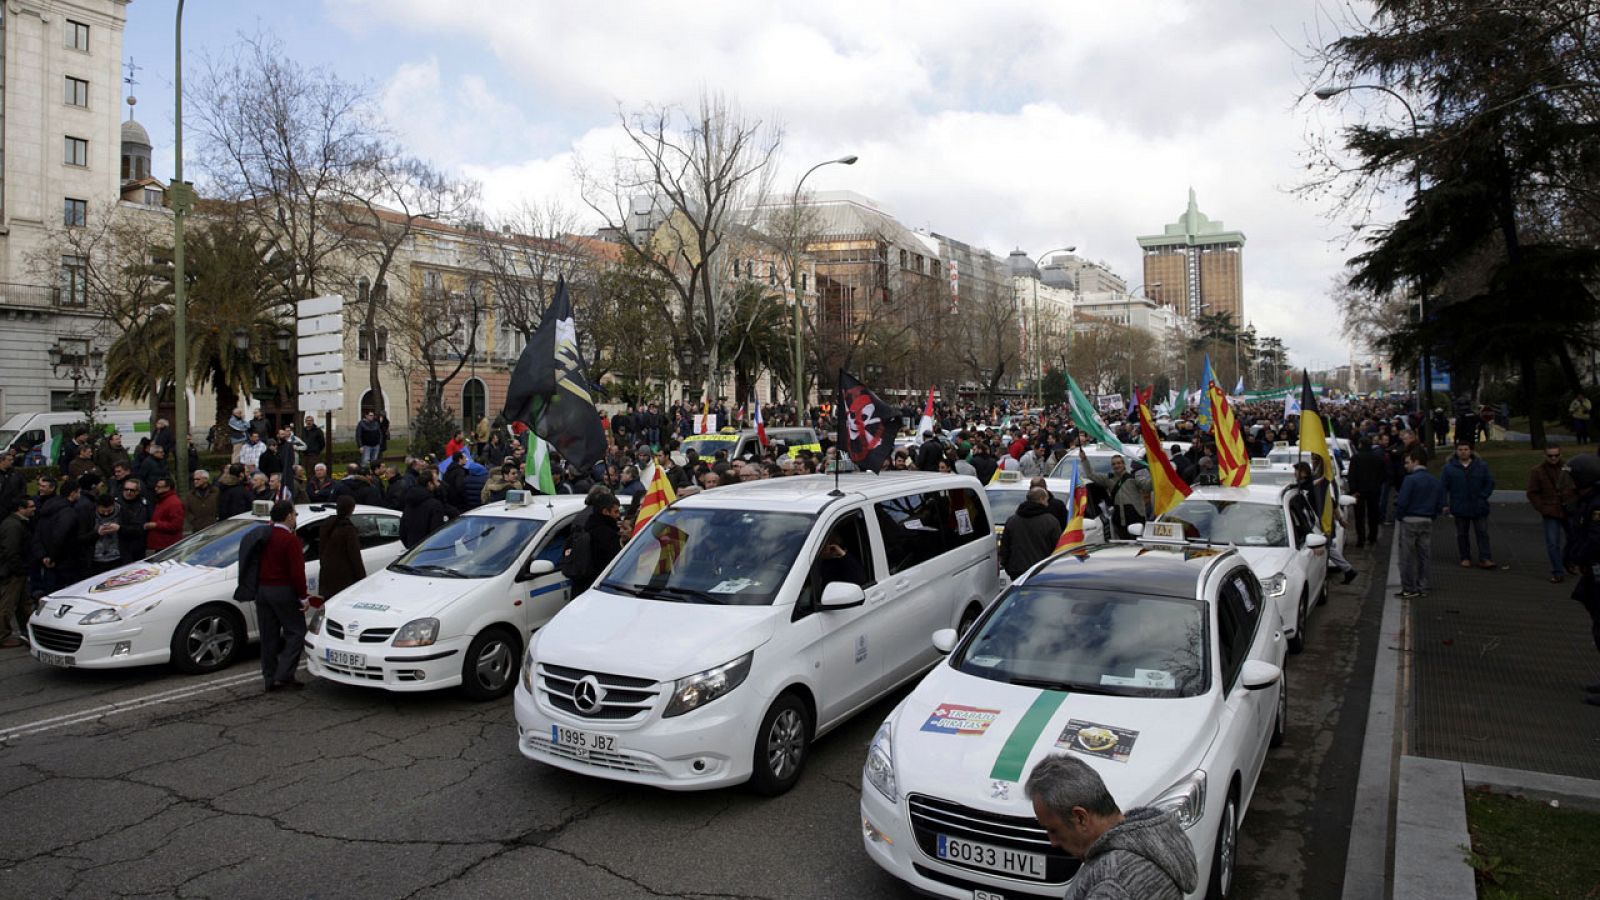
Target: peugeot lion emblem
[61, 611]
[1000, 790]
[586, 695]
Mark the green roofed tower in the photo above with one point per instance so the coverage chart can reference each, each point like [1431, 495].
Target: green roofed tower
[1196, 266]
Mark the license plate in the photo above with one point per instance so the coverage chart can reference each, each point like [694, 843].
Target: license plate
[987, 895]
[344, 658]
[582, 742]
[52, 659]
[988, 856]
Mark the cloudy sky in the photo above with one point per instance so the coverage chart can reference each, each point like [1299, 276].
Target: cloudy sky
[1025, 125]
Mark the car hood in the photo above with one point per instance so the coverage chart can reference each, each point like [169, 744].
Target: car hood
[387, 598]
[140, 584]
[656, 639]
[1266, 562]
[959, 737]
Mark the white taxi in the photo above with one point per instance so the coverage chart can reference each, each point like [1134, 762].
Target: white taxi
[1008, 489]
[1158, 665]
[1276, 532]
[456, 609]
[177, 605]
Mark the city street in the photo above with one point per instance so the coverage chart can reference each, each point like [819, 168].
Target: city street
[151, 784]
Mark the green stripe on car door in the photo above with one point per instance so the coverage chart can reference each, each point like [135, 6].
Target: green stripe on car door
[1014, 755]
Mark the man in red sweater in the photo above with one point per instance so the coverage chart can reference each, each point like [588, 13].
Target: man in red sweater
[165, 527]
[281, 600]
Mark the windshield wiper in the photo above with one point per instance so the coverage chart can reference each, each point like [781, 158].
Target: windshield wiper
[689, 594]
[402, 568]
[628, 589]
[1072, 686]
[444, 571]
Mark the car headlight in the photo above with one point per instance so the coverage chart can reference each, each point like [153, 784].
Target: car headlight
[101, 617]
[701, 688]
[1187, 798]
[1276, 585]
[314, 625]
[417, 633]
[879, 768]
[527, 668]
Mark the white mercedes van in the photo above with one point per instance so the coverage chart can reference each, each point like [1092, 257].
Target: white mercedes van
[742, 623]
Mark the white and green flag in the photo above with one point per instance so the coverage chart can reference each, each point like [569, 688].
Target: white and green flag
[1088, 420]
[537, 466]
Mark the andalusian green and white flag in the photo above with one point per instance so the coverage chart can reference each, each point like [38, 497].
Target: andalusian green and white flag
[1088, 420]
[537, 467]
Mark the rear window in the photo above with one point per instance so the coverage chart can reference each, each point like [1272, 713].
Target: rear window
[919, 527]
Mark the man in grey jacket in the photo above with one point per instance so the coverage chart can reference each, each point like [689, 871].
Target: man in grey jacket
[1141, 854]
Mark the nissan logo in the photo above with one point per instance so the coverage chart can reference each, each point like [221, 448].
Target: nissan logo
[587, 694]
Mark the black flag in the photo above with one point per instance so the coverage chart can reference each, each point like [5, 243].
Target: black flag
[867, 425]
[550, 394]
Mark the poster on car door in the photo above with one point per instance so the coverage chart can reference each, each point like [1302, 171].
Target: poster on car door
[1094, 739]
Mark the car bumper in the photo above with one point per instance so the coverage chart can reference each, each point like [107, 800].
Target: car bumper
[704, 749]
[113, 646]
[391, 668]
[886, 834]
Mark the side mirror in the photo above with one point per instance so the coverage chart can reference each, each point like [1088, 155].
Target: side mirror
[536, 568]
[841, 595]
[1136, 528]
[1313, 541]
[1257, 675]
[1346, 500]
[944, 640]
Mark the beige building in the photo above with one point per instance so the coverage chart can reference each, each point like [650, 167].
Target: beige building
[1195, 266]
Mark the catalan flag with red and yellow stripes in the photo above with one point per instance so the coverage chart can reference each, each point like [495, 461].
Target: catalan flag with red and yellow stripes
[1233, 461]
[1072, 536]
[658, 496]
[1166, 488]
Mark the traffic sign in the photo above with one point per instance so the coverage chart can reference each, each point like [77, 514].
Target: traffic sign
[319, 306]
[321, 362]
[327, 401]
[321, 343]
[329, 324]
[331, 381]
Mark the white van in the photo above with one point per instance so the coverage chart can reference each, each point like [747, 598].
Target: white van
[38, 436]
[725, 637]
[456, 609]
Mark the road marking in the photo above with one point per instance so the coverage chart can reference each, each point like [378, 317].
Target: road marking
[122, 706]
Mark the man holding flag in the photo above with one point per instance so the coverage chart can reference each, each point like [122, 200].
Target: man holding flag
[1166, 488]
[1087, 420]
[1324, 493]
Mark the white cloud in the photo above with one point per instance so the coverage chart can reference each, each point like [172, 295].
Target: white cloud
[1004, 124]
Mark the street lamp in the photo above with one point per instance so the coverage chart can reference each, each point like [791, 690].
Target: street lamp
[76, 359]
[794, 284]
[1328, 92]
[181, 197]
[1038, 347]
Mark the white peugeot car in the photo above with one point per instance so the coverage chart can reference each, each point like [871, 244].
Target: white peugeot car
[1158, 665]
[456, 609]
[177, 605]
[1275, 531]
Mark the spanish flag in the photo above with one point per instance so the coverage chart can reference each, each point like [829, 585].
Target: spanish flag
[656, 498]
[1072, 536]
[1233, 461]
[1166, 488]
[1314, 440]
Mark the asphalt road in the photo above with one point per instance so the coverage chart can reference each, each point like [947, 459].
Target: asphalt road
[144, 783]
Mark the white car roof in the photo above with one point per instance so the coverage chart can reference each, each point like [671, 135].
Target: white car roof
[1255, 493]
[811, 493]
[539, 506]
[307, 513]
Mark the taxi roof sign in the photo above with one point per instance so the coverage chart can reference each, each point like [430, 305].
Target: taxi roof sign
[1163, 532]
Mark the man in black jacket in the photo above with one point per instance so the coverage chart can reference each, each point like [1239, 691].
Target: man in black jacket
[1031, 533]
[424, 510]
[1366, 475]
[233, 492]
[15, 537]
[133, 511]
[13, 484]
[312, 437]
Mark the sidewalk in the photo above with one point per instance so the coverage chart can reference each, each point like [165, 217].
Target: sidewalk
[1499, 659]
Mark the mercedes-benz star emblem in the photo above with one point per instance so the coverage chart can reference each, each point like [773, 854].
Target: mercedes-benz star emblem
[587, 694]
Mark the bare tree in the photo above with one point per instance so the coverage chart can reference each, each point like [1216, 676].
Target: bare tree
[685, 184]
[525, 252]
[990, 340]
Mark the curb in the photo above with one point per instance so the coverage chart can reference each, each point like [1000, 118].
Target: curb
[1579, 793]
[1431, 840]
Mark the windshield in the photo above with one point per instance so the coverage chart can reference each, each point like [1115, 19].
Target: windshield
[723, 556]
[1100, 459]
[1003, 502]
[216, 545]
[707, 444]
[1232, 522]
[1096, 642]
[469, 547]
[1273, 477]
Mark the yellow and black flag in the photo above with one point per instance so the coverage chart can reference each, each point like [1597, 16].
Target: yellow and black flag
[549, 392]
[1314, 440]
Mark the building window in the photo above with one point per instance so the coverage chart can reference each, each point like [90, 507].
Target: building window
[74, 281]
[152, 197]
[66, 401]
[432, 283]
[77, 36]
[77, 93]
[364, 346]
[76, 212]
[76, 152]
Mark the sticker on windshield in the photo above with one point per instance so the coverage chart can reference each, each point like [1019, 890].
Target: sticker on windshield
[963, 522]
[126, 579]
[1255, 539]
[953, 718]
[732, 585]
[988, 662]
[1142, 678]
[377, 607]
[1094, 739]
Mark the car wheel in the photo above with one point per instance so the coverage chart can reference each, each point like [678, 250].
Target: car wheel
[208, 639]
[968, 619]
[1297, 644]
[1280, 725]
[490, 667]
[782, 744]
[1222, 855]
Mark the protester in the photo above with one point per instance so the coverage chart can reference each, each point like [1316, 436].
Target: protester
[1030, 535]
[1583, 550]
[369, 438]
[1579, 410]
[1552, 493]
[1420, 502]
[281, 600]
[107, 553]
[1127, 493]
[424, 510]
[165, 527]
[251, 451]
[339, 547]
[15, 540]
[200, 507]
[1468, 484]
[1140, 854]
[311, 436]
[1365, 476]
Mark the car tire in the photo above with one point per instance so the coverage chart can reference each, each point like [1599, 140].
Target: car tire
[1297, 644]
[1322, 595]
[969, 618]
[783, 743]
[208, 639]
[489, 670]
[1224, 851]
[1280, 723]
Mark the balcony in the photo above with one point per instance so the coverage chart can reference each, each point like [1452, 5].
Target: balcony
[39, 296]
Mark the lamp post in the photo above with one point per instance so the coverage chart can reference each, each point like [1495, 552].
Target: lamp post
[1038, 347]
[182, 200]
[1425, 394]
[78, 364]
[794, 285]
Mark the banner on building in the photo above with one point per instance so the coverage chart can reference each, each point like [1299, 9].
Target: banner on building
[955, 287]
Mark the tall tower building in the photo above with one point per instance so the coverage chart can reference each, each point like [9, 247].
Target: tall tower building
[1196, 266]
